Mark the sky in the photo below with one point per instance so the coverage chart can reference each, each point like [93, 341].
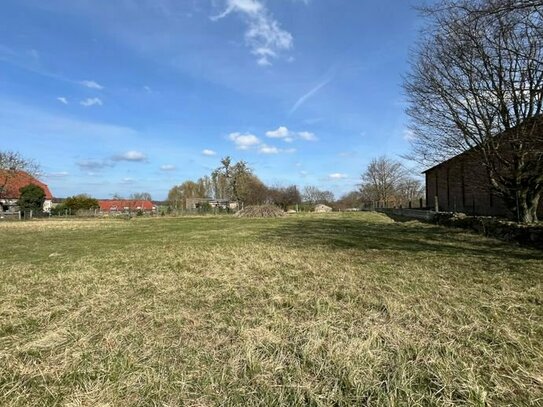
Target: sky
[116, 97]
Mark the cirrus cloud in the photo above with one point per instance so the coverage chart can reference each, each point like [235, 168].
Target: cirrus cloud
[91, 102]
[264, 35]
[91, 85]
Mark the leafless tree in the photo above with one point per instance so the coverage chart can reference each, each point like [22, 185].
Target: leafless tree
[349, 200]
[384, 180]
[141, 196]
[313, 195]
[476, 84]
[10, 163]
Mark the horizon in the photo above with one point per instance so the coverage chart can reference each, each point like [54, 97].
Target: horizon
[141, 96]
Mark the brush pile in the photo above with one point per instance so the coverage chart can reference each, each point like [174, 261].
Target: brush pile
[260, 211]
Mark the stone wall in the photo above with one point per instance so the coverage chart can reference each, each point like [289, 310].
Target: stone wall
[528, 235]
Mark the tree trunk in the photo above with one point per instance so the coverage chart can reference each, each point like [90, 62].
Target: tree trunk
[527, 206]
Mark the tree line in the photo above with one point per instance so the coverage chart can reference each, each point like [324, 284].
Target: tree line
[385, 180]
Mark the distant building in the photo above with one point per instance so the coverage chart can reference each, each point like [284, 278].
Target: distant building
[322, 208]
[192, 204]
[11, 182]
[126, 206]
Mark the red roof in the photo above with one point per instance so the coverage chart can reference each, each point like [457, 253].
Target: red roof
[12, 181]
[121, 205]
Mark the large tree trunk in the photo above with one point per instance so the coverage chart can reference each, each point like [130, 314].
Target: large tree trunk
[526, 204]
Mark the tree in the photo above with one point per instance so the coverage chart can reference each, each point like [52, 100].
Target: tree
[382, 180]
[252, 191]
[285, 196]
[313, 196]
[476, 83]
[141, 196]
[229, 179]
[349, 200]
[80, 202]
[32, 198]
[10, 163]
[178, 195]
[387, 181]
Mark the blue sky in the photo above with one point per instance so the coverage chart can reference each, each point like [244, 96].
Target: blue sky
[139, 95]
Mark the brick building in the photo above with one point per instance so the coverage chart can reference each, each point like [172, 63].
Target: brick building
[461, 184]
[126, 206]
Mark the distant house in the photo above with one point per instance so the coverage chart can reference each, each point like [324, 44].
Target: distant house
[126, 206]
[11, 182]
[322, 208]
[196, 203]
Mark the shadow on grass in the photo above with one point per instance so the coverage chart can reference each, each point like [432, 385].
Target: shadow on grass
[407, 236]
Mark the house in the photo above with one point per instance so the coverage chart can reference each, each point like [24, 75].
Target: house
[11, 181]
[321, 208]
[462, 184]
[126, 206]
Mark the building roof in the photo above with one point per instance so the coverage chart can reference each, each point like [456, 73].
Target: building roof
[536, 122]
[108, 205]
[12, 181]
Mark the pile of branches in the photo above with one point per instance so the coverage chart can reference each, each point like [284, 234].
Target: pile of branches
[260, 211]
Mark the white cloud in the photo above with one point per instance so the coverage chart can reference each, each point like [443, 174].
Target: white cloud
[281, 132]
[63, 100]
[264, 35]
[337, 175]
[147, 89]
[91, 85]
[167, 167]
[209, 153]
[244, 141]
[132, 155]
[264, 149]
[91, 102]
[307, 135]
[287, 135]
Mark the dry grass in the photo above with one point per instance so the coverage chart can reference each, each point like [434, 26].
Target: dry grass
[313, 310]
[260, 211]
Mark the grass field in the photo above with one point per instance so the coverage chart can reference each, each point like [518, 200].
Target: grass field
[329, 310]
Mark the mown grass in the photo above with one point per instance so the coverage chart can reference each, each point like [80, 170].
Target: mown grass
[328, 310]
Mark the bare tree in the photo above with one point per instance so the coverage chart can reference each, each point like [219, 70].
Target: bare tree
[349, 200]
[12, 162]
[476, 85]
[313, 195]
[382, 180]
[141, 196]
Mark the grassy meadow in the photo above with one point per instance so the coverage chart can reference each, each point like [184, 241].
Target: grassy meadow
[316, 310]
